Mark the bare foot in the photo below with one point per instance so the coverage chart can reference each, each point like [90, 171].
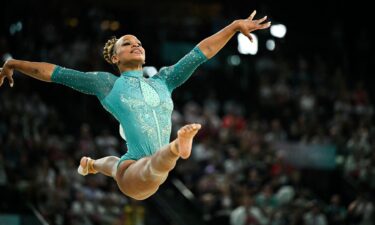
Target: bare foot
[86, 166]
[185, 139]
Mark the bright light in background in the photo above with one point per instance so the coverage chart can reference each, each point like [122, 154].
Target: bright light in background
[110, 25]
[278, 30]
[115, 25]
[270, 44]
[16, 27]
[104, 25]
[150, 71]
[234, 60]
[245, 46]
[7, 56]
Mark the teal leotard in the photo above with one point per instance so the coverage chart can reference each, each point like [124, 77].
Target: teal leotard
[142, 106]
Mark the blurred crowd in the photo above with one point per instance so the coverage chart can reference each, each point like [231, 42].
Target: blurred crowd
[237, 171]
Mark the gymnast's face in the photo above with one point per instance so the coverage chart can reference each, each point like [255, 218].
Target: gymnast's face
[128, 51]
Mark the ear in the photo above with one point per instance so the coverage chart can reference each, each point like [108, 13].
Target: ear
[115, 59]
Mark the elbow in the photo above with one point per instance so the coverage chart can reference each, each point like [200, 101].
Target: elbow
[207, 51]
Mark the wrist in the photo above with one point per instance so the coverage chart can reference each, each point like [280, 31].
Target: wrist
[10, 63]
[235, 26]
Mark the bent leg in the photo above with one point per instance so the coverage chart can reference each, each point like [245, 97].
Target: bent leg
[142, 178]
[106, 166]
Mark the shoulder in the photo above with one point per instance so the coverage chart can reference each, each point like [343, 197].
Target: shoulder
[160, 73]
[164, 71]
[102, 73]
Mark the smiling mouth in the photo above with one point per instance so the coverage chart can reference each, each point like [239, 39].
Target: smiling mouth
[137, 51]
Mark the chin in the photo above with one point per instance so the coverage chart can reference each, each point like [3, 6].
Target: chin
[135, 60]
[139, 59]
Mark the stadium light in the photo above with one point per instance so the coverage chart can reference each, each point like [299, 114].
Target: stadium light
[245, 46]
[7, 56]
[234, 60]
[278, 30]
[114, 25]
[16, 27]
[150, 71]
[270, 44]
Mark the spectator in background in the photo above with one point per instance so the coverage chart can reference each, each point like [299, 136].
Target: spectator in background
[247, 213]
[361, 211]
[336, 213]
[315, 216]
[266, 199]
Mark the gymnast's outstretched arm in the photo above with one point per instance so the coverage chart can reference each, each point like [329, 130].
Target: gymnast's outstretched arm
[213, 44]
[178, 73]
[92, 83]
[38, 70]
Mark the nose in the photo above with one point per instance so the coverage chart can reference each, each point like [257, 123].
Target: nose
[136, 45]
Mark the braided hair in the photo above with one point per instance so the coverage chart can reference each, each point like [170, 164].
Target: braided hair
[108, 49]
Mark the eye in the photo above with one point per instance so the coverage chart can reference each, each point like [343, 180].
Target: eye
[126, 43]
[139, 43]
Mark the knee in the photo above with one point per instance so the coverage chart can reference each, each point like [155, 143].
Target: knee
[114, 171]
[143, 196]
[139, 197]
[149, 173]
[137, 193]
[146, 172]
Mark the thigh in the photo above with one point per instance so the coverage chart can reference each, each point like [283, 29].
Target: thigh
[135, 181]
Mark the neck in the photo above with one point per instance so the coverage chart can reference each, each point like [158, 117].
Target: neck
[125, 68]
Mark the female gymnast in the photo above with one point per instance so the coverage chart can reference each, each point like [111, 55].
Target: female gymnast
[142, 106]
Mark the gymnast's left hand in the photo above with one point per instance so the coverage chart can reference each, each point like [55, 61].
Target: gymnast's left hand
[6, 72]
[245, 26]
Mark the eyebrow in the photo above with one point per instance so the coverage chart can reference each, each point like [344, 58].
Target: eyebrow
[130, 41]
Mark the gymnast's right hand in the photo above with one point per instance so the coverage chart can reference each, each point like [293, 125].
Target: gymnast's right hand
[6, 72]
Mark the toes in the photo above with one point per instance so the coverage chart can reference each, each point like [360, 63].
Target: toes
[196, 126]
[84, 161]
[190, 128]
[186, 129]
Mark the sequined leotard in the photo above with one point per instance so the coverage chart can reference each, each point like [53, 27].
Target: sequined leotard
[142, 106]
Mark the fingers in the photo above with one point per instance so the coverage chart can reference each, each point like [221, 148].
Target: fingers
[260, 20]
[258, 23]
[248, 35]
[196, 126]
[2, 81]
[265, 25]
[252, 15]
[9, 77]
[1, 77]
[11, 81]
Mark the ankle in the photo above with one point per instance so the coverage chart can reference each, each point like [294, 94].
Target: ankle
[174, 148]
[91, 166]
